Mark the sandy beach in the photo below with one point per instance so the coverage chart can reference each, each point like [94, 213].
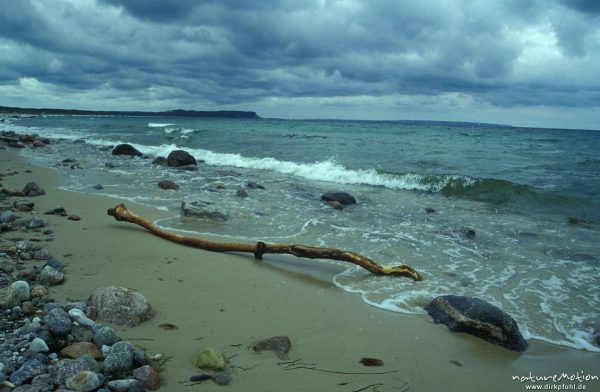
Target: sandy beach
[229, 302]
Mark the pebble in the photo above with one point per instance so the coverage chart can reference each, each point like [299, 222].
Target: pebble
[125, 385]
[34, 223]
[105, 336]
[38, 345]
[21, 290]
[84, 381]
[148, 377]
[58, 322]
[79, 316]
[120, 359]
[50, 276]
[223, 378]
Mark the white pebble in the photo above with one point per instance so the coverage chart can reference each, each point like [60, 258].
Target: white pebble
[80, 317]
[157, 357]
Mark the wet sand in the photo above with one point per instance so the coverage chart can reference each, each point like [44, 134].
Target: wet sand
[230, 301]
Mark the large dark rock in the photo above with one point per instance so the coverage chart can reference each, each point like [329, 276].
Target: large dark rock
[126, 149]
[340, 197]
[162, 161]
[479, 318]
[179, 158]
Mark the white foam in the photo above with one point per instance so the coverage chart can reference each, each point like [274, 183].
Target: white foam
[158, 125]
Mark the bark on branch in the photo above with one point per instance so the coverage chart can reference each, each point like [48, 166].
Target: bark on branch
[121, 213]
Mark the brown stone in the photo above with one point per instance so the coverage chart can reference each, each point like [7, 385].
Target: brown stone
[281, 345]
[76, 350]
[147, 376]
[39, 291]
[74, 217]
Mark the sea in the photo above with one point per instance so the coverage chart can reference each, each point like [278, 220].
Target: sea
[530, 196]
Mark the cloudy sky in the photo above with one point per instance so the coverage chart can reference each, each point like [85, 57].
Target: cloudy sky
[520, 62]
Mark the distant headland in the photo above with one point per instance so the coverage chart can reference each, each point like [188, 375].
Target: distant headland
[169, 113]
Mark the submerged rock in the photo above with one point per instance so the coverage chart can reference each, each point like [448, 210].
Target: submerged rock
[167, 184]
[162, 161]
[204, 209]
[126, 149]
[478, 318]
[340, 197]
[119, 305]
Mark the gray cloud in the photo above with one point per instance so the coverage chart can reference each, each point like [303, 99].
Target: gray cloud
[504, 53]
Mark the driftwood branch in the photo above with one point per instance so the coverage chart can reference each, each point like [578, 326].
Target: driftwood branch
[121, 213]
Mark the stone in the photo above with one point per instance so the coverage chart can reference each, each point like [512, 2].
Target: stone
[49, 276]
[84, 381]
[56, 211]
[79, 316]
[241, 193]
[148, 377]
[162, 161]
[78, 349]
[204, 210]
[8, 298]
[21, 290]
[57, 265]
[126, 149]
[39, 291]
[74, 217]
[122, 306]
[90, 363]
[33, 189]
[31, 368]
[119, 361]
[7, 216]
[335, 204]
[41, 254]
[254, 185]
[467, 232]
[37, 144]
[66, 368]
[58, 322]
[430, 210]
[24, 206]
[341, 197]
[168, 185]
[38, 345]
[223, 378]
[210, 359]
[35, 223]
[125, 385]
[98, 187]
[179, 158]
[281, 345]
[478, 318]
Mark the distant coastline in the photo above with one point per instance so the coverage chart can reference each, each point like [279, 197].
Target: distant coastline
[169, 113]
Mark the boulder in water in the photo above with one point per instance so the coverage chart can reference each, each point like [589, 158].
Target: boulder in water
[340, 197]
[167, 184]
[126, 149]
[180, 158]
[479, 318]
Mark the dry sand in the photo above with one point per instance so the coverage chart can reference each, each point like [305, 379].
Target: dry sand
[231, 301]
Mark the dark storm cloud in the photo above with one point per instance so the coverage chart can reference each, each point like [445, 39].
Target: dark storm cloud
[502, 53]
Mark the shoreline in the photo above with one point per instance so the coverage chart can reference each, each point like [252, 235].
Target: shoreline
[229, 302]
